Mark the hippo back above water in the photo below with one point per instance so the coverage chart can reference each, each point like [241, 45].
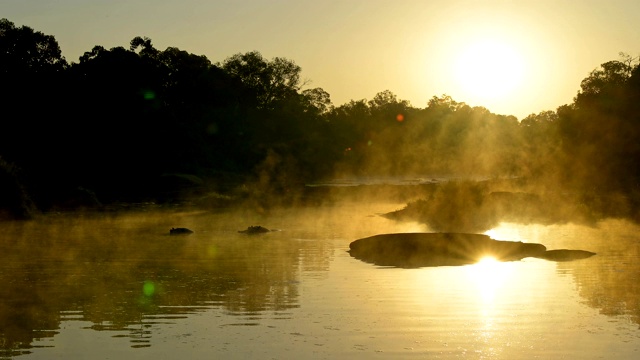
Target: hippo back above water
[438, 249]
[180, 231]
[255, 230]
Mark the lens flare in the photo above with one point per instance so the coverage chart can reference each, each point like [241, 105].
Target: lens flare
[149, 95]
[148, 288]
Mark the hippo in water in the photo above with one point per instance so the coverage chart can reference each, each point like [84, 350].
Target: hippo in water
[255, 230]
[180, 231]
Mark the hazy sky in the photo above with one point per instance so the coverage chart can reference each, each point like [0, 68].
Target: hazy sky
[513, 57]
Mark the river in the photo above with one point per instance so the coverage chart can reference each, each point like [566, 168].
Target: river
[116, 285]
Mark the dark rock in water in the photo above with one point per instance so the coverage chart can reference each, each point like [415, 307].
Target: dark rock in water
[411, 250]
[180, 231]
[566, 255]
[255, 230]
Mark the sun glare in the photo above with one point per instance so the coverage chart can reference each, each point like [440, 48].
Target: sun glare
[488, 70]
[487, 262]
[488, 274]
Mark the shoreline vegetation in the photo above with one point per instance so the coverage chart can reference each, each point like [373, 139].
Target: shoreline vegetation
[469, 206]
[143, 127]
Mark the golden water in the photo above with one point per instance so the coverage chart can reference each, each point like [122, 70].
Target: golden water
[118, 286]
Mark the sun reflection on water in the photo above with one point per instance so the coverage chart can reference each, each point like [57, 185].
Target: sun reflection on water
[489, 276]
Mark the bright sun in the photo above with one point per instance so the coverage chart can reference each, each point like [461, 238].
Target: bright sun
[488, 70]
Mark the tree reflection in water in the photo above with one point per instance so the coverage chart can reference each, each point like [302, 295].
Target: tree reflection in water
[608, 281]
[125, 273]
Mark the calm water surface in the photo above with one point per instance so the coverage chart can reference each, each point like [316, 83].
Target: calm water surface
[117, 286]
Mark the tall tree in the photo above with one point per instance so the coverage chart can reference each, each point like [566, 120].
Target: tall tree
[270, 81]
[600, 130]
[23, 50]
[31, 70]
[317, 100]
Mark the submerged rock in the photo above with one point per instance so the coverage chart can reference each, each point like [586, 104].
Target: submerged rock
[566, 255]
[255, 230]
[411, 250]
[180, 231]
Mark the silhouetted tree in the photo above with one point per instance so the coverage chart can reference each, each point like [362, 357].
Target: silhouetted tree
[31, 89]
[145, 45]
[127, 116]
[25, 51]
[270, 81]
[600, 130]
[168, 112]
[317, 101]
[15, 201]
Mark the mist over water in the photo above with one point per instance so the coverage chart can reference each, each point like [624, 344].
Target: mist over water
[121, 282]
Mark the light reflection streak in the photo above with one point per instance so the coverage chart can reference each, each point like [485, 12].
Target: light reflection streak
[491, 279]
[489, 276]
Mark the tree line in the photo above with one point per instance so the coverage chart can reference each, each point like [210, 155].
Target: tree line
[134, 123]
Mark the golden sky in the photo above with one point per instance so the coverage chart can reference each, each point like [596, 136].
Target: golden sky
[513, 57]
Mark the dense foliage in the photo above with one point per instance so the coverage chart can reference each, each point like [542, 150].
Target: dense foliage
[134, 123]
